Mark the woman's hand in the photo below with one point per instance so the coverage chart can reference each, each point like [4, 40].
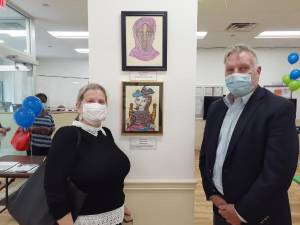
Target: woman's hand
[66, 220]
[127, 215]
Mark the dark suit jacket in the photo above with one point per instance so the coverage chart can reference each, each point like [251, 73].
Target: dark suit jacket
[261, 158]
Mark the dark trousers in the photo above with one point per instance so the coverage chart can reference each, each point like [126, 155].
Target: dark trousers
[219, 220]
[38, 151]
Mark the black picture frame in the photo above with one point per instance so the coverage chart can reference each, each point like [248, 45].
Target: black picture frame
[139, 54]
[142, 108]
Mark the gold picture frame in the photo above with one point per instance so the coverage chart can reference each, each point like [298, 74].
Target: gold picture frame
[142, 108]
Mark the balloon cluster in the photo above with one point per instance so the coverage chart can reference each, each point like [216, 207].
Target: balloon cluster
[291, 80]
[25, 115]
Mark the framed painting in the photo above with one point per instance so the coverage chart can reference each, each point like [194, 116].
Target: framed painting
[144, 40]
[142, 108]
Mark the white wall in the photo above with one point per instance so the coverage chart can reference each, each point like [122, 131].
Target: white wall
[63, 67]
[174, 157]
[16, 85]
[60, 80]
[210, 67]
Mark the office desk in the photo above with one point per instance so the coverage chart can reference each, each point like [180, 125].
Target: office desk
[11, 176]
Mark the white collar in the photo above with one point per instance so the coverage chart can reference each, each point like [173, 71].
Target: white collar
[89, 129]
[229, 99]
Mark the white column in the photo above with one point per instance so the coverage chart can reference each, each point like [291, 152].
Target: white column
[173, 160]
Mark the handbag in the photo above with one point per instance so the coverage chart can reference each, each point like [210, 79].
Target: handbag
[28, 205]
[21, 139]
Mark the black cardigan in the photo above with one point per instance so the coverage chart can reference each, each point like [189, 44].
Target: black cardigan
[97, 166]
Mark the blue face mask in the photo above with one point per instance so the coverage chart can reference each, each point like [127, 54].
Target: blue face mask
[239, 84]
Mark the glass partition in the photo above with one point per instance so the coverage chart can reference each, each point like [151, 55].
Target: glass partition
[14, 30]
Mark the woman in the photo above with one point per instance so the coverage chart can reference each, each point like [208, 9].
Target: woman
[96, 165]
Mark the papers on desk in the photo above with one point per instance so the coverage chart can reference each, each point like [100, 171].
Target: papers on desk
[23, 168]
[6, 165]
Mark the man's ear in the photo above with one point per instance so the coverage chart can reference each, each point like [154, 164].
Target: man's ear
[258, 70]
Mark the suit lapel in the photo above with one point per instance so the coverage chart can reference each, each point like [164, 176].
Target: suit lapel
[247, 113]
[217, 124]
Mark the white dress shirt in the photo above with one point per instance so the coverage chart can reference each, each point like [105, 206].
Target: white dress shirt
[235, 109]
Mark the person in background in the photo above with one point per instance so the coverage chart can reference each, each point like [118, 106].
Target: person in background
[41, 131]
[87, 154]
[4, 130]
[250, 148]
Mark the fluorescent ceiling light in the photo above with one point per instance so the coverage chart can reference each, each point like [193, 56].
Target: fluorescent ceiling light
[14, 33]
[201, 34]
[17, 67]
[70, 34]
[279, 34]
[1, 41]
[82, 50]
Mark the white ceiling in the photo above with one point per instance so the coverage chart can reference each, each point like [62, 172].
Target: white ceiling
[60, 15]
[214, 16]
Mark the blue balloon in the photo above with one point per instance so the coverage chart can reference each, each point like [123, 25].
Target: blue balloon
[24, 117]
[295, 74]
[33, 103]
[293, 57]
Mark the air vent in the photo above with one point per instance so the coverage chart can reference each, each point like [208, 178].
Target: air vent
[242, 27]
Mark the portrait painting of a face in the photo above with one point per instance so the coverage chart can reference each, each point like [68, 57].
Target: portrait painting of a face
[144, 33]
[142, 107]
[144, 41]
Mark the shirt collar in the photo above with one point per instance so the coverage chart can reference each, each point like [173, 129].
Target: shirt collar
[229, 99]
[92, 130]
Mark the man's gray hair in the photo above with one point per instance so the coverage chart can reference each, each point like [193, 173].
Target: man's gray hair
[239, 48]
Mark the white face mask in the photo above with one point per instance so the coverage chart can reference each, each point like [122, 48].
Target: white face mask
[94, 113]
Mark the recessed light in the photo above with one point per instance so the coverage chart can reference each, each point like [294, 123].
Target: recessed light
[201, 34]
[82, 50]
[279, 34]
[70, 34]
[1, 41]
[14, 33]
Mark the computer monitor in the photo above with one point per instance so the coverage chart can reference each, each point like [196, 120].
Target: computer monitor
[207, 102]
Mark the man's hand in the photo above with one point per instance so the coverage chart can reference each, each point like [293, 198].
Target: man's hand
[217, 200]
[228, 212]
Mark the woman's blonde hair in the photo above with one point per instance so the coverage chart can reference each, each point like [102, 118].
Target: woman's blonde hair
[84, 89]
[91, 86]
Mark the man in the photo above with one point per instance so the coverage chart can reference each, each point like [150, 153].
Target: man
[42, 130]
[250, 150]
